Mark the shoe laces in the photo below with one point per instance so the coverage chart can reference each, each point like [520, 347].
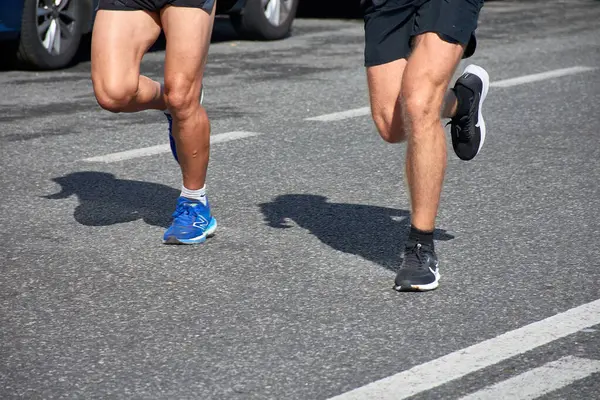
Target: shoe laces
[414, 257]
[186, 213]
[462, 125]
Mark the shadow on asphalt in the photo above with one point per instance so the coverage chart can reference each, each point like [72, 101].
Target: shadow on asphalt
[374, 233]
[106, 200]
[371, 232]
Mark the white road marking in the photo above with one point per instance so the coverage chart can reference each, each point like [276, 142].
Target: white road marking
[337, 116]
[504, 83]
[541, 76]
[129, 154]
[165, 148]
[539, 381]
[481, 355]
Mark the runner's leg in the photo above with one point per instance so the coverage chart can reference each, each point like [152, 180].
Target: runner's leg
[188, 27]
[119, 41]
[442, 31]
[188, 31]
[426, 77]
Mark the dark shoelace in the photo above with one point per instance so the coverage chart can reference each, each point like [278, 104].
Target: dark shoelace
[414, 258]
[463, 128]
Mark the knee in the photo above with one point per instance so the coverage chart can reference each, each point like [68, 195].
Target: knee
[419, 104]
[390, 130]
[421, 97]
[114, 96]
[181, 96]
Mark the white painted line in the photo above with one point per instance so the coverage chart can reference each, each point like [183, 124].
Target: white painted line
[481, 355]
[165, 148]
[229, 136]
[540, 77]
[357, 112]
[129, 154]
[539, 381]
[360, 112]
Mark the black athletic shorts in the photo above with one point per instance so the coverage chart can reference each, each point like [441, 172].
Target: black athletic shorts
[153, 5]
[390, 25]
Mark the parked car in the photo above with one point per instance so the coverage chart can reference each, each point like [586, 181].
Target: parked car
[48, 32]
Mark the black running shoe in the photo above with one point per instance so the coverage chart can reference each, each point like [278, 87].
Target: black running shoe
[468, 126]
[419, 270]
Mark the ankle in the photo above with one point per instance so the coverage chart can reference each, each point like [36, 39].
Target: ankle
[424, 237]
[194, 194]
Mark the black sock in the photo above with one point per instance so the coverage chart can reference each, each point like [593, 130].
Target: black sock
[464, 98]
[419, 236]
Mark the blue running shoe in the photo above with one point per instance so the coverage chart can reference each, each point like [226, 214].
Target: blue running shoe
[170, 120]
[171, 139]
[192, 223]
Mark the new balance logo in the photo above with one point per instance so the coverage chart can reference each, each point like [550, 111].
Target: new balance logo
[202, 222]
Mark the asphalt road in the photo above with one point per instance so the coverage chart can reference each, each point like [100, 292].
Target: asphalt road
[293, 298]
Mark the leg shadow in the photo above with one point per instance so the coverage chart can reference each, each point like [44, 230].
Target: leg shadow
[107, 200]
[375, 233]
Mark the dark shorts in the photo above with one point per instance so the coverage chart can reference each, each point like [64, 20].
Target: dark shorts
[153, 5]
[390, 25]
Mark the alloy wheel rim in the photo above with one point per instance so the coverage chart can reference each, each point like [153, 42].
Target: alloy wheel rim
[55, 24]
[277, 11]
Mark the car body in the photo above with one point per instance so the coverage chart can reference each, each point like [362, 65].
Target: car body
[47, 33]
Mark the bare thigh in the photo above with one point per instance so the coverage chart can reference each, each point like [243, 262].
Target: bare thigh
[119, 41]
[188, 32]
[427, 74]
[385, 84]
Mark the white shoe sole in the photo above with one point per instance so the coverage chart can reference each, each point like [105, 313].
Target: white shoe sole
[210, 232]
[422, 288]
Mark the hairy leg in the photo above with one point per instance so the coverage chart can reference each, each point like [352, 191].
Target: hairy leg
[426, 77]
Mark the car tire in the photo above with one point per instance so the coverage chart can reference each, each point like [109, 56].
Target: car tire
[42, 26]
[265, 19]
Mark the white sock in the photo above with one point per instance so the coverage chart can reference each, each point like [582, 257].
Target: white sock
[198, 194]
